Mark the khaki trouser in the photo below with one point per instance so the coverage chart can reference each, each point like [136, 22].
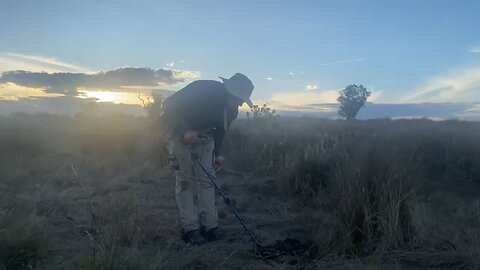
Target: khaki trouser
[187, 175]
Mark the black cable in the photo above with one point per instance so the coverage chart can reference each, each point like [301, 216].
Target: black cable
[258, 249]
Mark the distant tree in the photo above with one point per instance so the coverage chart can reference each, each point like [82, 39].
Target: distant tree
[153, 105]
[258, 112]
[351, 99]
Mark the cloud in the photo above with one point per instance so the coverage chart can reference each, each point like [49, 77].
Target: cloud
[170, 65]
[475, 49]
[269, 78]
[375, 95]
[48, 60]
[18, 61]
[471, 113]
[345, 61]
[16, 64]
[296, 99]
[66, 106]
[69, 83]
[437, 111]
[458, 86]
[297, 72]
[10, 91]
[434, 111]
[122, 96]
[311, 87]
[183, 75]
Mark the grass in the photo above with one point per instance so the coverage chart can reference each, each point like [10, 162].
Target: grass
[374, 193]
[22, 240]
[373, 175]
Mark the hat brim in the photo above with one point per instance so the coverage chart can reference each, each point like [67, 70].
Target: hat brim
[249, 102]
[244, 99]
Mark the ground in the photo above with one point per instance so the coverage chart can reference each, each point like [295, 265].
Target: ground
[95, 193]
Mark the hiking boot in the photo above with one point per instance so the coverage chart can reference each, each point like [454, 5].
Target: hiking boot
[213, 234]
[194, 238]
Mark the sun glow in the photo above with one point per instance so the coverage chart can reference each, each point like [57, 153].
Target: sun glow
[110, 96]
[11, 91]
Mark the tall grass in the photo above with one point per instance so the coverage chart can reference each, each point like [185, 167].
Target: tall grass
[372, 175]
[115, 236]
[373, 181]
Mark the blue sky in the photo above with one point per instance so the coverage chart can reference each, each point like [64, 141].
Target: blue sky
[296, 52]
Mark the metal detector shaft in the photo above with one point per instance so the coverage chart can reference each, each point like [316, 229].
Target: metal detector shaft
[225, 197]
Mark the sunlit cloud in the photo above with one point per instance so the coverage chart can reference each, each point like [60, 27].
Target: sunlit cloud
[458, 86]
[52, 62]
[474, 109]
[10, 91]
[311, 87]
[299, 106]
[269, 78]
[473, 112]
[305, 98]
[121, 95]
[7, 63]
[184, 75]
[24, 76]
[114, 97]
[375, 96]
[65, 105]
[69, 83]
[345, 61]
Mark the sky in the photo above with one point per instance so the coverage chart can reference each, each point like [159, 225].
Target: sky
[297, 53]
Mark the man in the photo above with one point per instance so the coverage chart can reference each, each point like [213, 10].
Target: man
[198, 116]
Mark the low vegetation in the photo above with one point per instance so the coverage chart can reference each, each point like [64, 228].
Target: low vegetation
[93, 192]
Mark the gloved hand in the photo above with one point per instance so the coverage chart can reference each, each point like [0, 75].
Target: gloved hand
[218, 163]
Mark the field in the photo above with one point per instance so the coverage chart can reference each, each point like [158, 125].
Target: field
[94, 192]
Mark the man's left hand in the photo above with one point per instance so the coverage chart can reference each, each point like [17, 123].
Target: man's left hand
[218, 163]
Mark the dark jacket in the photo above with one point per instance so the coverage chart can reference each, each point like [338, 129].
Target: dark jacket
[199, 106]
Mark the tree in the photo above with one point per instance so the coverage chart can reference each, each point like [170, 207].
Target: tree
[261, 112]
[351, 99]
[153, 105]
